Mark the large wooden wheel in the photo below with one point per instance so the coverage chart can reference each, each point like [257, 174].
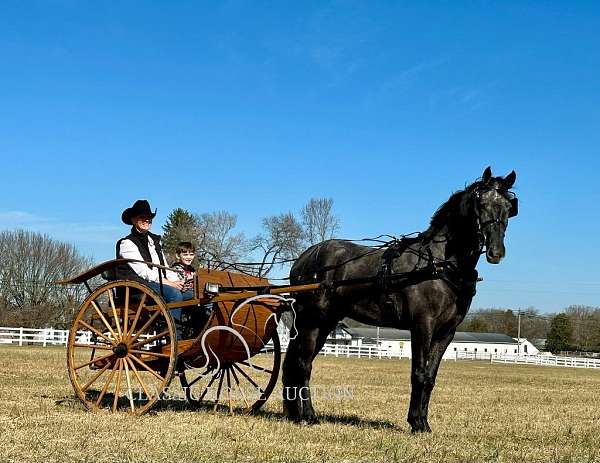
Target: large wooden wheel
[122, 350]
[243, 385]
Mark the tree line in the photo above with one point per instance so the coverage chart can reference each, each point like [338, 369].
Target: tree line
[282, 237]
[32, 262]
[576, 328]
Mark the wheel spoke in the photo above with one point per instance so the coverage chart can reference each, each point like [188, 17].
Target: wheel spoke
[212, 380]
[94, 330]
[237, 382]
[256, 367]
[99, 359]
[105, 388]
[103, 318]
[129, 392]
[94, 346]
[149, 340]
[248, 378]
[95, 377]
[114, 311]
[125, 313]
[229, 392]
[219, 391]
[137, 316]
[146, 325]
[117, 386]
[198, 378]
[137, 375]
[146, 367]
[149, 352]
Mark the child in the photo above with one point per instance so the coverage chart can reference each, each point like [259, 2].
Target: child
[185, 253]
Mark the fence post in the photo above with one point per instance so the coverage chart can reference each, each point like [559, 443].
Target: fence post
[21, 336]
[45, 337]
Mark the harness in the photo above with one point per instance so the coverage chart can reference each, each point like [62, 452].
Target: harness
[462, 283]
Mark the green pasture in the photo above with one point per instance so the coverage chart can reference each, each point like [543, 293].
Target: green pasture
[480, 412]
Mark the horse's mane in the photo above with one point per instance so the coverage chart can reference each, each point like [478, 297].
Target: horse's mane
[455, 207]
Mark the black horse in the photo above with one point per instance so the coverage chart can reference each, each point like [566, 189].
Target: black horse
[424, 284]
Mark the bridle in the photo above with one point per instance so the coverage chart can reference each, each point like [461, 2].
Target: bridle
[481, 226]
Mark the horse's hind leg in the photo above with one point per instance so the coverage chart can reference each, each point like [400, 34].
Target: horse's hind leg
[297, 368]
[420, 347]
[308, 412]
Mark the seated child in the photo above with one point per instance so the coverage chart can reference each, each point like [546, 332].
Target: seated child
[183, 267]
[186, 253]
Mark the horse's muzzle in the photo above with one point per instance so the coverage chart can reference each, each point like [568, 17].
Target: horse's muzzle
[493, 257]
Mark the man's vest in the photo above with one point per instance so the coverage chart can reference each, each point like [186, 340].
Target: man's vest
[124, 271]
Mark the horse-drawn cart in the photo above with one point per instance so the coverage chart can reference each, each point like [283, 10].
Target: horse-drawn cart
[123, 349]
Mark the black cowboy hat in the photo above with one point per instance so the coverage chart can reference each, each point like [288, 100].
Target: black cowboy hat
[140, 207]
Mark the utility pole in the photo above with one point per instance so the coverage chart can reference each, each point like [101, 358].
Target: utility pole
[519, 332]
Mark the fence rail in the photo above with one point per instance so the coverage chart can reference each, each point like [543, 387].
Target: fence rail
[340, 350]
[548, 360]
[46, 336]
[54, 337]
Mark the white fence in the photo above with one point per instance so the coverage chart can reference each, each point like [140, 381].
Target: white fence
[339, 350]
[26, 336]
[53, 337]
[46, 336]
[548, 360]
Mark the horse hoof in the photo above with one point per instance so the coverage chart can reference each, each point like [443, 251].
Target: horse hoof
[294, 419]
[311, 420]
[419, 428]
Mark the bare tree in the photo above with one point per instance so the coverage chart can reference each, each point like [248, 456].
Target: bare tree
[585, 321]
[319, 221]
[282, 239]
[31, 264]
[220, 245]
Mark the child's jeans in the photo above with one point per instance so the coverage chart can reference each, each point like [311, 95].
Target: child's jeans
[171, 294]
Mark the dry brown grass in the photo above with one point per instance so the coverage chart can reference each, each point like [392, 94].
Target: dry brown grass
[480, 412]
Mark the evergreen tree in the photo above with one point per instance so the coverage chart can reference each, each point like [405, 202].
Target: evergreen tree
[560, 334]
[181, 225]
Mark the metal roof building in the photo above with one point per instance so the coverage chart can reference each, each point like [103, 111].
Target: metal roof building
[399, 340]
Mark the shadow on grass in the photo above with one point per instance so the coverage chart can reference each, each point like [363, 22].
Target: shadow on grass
[176, 405]
[350, 420]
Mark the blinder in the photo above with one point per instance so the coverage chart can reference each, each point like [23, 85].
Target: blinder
[514, 207]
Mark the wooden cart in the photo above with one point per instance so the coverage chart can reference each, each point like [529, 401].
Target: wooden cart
[123, 350]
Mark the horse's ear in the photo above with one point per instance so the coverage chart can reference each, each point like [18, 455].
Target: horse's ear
[509, 180]
[487, 174]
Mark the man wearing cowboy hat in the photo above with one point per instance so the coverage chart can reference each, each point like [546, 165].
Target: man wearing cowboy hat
[143, 245]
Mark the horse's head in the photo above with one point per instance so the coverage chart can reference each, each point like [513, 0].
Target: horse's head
[494, 205]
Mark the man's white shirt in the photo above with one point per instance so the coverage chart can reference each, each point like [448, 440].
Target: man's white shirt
[128, 250]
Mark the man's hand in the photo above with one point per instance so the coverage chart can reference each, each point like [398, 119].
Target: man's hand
[175, 284]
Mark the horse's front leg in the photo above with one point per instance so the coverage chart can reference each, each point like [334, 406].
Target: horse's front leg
[420, 347]
[438, 347]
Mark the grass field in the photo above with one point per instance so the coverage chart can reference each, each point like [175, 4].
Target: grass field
[480, 412]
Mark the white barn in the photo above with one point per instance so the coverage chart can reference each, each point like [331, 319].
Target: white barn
[394, 340]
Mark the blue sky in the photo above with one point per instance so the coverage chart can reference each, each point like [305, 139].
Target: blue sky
[255, 107]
